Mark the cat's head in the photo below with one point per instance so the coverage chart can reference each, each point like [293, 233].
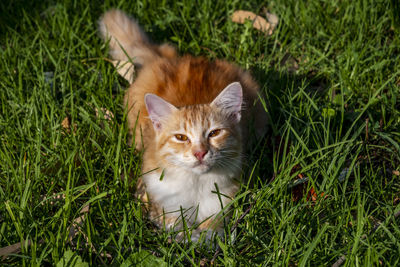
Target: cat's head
[199, 137]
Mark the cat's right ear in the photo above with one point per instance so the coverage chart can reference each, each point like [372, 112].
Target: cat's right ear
[230, 100]
[158, 110]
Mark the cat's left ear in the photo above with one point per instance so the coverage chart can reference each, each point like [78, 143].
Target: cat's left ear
[158, 110]
[230, 100]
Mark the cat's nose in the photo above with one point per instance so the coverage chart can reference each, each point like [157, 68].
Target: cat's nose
[200, 154]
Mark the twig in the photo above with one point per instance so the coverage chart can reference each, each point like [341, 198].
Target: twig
[15, 248]
[12, 249]
[339, 261]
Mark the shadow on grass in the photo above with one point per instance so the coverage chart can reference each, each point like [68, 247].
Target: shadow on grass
[279, 87]
[12, 12]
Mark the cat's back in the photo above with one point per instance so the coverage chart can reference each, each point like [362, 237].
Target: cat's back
[190, 80]
[193, 80]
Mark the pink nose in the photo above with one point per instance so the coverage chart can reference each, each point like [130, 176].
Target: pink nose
[200, 154]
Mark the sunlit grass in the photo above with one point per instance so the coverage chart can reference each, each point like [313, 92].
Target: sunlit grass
[330, 74]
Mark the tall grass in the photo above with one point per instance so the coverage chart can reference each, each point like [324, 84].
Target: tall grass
[321, 188]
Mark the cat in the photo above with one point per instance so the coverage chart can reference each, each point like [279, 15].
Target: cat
[188, 115]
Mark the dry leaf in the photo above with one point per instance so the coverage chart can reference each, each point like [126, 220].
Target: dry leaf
[259, 22]
[107, 115]
[125, 68]
[313, 195]
[272, 19]
[65, 123]
[76, 227]
[397, 173]
[77, 223]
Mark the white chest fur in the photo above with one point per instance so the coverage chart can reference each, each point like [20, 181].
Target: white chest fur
[181, 189]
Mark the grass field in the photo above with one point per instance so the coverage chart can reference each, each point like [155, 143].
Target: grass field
[323, 187]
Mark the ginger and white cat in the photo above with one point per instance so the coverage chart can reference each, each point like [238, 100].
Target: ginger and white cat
[187, 113]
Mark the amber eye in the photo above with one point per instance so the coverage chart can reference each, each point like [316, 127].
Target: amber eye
[214, 133]
[181, 137]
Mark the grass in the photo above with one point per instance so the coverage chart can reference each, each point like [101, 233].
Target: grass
[330, 73]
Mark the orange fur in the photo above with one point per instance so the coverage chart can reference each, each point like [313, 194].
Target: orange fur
[184, 81]
[190, 84]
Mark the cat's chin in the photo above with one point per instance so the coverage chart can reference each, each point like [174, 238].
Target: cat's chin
[200, 168]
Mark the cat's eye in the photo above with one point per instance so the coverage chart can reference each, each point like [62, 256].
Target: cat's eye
[214, 133]
[181, 137]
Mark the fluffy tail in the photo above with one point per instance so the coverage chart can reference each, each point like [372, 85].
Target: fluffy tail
[128, 41]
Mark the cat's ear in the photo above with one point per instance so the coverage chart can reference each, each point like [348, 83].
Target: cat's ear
[158, 110]
[230, 100]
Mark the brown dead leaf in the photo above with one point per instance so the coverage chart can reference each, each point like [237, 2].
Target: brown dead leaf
[125, 68]
[107, 115]
[65, 123]
[259, 22]
[397, 173]
[272, 19]
[76, 228]
[313, 195]
[78, 223]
